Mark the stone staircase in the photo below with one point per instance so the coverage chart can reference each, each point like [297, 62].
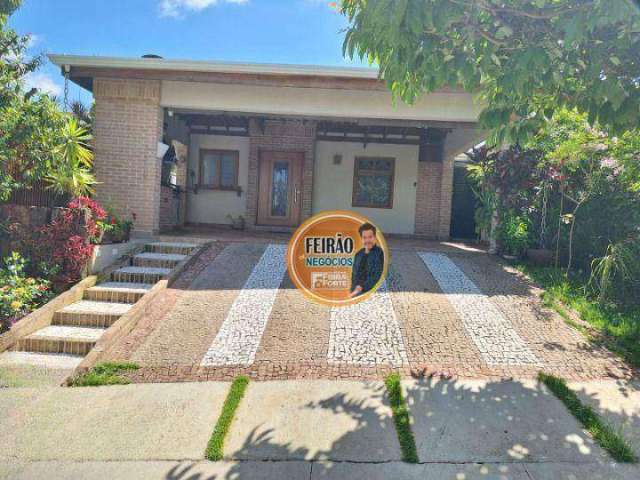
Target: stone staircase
[76, 328]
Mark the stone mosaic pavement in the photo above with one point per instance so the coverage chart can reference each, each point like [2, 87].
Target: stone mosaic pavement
[444, 310]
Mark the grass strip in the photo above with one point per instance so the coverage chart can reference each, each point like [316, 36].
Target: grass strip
[215, 447]
[108, 373]
[612, 326]
[602, 433]
[401, 419]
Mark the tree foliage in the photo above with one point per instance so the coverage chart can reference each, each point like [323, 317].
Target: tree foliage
[35, 135]
[525, 58]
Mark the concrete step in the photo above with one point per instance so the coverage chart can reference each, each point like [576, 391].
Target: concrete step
[89, 313]
[120, 292]
[61, 339]
[140, 274]
[170, 247]
[53, 361]
[158, 260]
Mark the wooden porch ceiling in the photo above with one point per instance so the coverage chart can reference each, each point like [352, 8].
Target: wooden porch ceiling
[216, 124]
[390, 134]
[330, 130]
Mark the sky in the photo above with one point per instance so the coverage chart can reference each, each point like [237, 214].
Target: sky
[270, 31]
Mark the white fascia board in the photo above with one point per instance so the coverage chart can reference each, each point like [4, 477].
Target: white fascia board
[207, 66]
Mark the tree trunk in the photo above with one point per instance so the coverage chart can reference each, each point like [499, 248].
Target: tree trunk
[573, 224]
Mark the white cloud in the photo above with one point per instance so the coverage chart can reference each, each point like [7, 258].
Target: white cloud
[42, 82]
[176, 8]
[34, 40]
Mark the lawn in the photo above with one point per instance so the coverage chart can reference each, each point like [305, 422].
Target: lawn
[616, 327]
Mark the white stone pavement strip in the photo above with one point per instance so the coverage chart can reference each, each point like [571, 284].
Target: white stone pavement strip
[490, 331]
[239, 337]
[367, 333]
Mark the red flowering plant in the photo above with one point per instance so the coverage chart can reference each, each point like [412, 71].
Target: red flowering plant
[115, 228]
[63, 247]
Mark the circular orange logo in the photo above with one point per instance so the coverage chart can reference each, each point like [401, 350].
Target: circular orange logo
[337, 258]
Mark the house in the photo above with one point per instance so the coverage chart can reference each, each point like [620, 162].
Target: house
[273, 144]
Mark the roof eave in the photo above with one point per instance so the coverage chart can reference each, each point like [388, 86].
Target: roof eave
[213, 67]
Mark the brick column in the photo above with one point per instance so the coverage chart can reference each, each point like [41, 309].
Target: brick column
[127, 128]
[428, 199]
[279, 135]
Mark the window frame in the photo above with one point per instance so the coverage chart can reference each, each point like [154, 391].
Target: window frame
[217, 185]
[357, 173]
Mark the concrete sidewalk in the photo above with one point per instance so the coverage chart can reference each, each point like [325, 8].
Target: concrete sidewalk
[305, 470]
[464, 429]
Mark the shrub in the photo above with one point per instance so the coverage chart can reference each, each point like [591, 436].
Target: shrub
[63, 247]
[513, 234]
[19, 293]
[616, 275]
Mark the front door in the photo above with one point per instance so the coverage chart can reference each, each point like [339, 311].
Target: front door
[280, 188]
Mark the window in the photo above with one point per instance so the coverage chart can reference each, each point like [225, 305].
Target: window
[219, 169]
[373, 182]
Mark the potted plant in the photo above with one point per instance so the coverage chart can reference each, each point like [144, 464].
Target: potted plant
[115, 230]
[237, 223]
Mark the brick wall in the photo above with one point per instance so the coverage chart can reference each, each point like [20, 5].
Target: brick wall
[170, 208]
[127, 128]
[289, 135]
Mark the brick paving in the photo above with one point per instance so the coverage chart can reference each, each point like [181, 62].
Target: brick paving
[367, 333]
[239, 336]
[488, 329]
[430, 336]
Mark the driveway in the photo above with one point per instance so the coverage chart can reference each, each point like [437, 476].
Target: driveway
[445, 309]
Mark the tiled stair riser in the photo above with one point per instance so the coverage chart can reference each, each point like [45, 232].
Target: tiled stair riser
[118, 292]
[173, 248]
[79, 319]
[137, 277]
[72, 347]
[122, 296]
[154, 263]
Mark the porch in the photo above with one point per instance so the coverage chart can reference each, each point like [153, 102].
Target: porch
[269, 173]
[270, 145]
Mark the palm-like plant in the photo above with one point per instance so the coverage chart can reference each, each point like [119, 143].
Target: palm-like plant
[73, 162]
[82, 113]
[620, 264]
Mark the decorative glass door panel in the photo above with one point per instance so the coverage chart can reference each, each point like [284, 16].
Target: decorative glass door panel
[280, 188]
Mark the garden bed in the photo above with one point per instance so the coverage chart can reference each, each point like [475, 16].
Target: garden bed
[616, 327]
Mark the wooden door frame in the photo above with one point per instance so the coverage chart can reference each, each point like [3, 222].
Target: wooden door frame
[297, 173]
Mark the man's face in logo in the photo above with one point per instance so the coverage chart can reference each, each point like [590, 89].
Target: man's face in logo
[368, 239]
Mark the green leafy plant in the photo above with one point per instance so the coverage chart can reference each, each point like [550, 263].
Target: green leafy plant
[620, 266]
[73, 161]
[30, 121]
[108, 373]
[20, 294]
[513, 235]
[524, 58]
